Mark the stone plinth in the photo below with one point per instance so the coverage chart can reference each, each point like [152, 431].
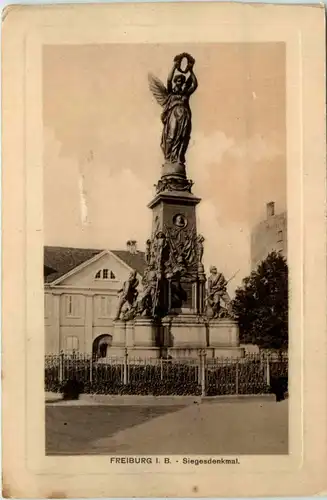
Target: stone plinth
[187, 331]
[119, 333]
[115, 352]
[144, 333]
[228, 352]
[129, 334]
[211, 353]
[175, 169]
[223, 333]
[184, 353]
[143, 353]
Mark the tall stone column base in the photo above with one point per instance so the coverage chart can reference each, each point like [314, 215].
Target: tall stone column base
[119, 333]
[144, 332]
[223, 333]
[187, 331]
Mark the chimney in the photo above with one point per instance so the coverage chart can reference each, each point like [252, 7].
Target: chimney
[270, 209]
[132, 246]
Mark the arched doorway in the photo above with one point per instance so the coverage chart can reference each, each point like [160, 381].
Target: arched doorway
[101, 345]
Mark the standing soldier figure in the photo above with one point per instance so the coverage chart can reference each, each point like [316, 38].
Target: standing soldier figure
[148, 252]
[217, 290]
[145, 303]
[129, 293]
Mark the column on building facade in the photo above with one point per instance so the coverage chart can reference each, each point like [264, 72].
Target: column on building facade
[55, 324]
[88, 324]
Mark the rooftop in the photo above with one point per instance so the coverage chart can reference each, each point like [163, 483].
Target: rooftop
[58, 261]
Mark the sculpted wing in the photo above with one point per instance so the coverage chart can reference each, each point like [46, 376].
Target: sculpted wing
[158, 90]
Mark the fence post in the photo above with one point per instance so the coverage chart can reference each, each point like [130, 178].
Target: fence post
[91, 368]
[161, 369]
[203, 373]
[125, 369]
[61, 366]
[236, 378]
[200, 367]
[267, 370]
[74, 363]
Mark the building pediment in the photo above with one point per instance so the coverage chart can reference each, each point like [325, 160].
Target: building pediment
[103, 269]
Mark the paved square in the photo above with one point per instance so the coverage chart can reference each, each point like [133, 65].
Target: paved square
[215, 428]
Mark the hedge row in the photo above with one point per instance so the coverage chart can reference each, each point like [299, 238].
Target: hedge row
[157, 388]
[177, 379]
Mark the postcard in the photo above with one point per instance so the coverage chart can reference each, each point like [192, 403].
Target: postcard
[164, 250]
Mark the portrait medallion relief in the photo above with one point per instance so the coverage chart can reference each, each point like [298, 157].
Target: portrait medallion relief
[179, 221]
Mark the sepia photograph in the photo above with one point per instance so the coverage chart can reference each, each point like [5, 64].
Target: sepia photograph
[165, 257]
[164, 250]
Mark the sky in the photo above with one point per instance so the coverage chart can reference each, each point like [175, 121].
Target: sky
[102, 152]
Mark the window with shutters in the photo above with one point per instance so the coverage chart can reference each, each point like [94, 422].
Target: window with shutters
[72, 306]
[72, 343]
[105, 306]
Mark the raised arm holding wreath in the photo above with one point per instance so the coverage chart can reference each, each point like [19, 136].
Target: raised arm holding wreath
[176, 116]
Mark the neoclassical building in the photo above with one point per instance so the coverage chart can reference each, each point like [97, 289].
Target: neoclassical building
[81, 295]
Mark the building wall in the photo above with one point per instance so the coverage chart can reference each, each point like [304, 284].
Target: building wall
[74, 328]
[52, 322]
[82, 307]
[269, 235]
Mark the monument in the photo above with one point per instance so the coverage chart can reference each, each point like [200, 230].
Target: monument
[172, 316]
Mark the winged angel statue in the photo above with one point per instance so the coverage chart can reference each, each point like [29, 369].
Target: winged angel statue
[176, 116]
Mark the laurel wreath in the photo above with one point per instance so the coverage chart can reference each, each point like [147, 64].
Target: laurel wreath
[190, 62]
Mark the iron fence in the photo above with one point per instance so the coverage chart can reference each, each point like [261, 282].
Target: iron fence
[252, 374]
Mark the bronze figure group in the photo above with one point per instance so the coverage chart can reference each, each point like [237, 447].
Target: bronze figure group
[174, 254]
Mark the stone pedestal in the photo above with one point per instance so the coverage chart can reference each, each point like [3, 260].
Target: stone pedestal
[115, 352]
[144, 333]
[223, 333]
[136, 354]
[119, 333]
[129, 337]
[187, 331]
[184, 353]
[211, 353]
[174, 170]
[228, 352]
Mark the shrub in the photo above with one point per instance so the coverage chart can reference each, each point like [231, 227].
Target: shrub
[172, 379]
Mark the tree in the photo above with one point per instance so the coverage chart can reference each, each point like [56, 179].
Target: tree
[261, 304]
